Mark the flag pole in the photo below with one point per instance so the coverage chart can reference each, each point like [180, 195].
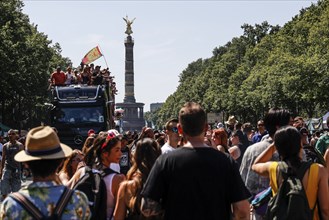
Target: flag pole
[103, 56]
[109, 86]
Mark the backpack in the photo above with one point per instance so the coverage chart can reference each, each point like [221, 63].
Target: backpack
[36, 213]
[93, 185]
[313, 156]
[291, 201]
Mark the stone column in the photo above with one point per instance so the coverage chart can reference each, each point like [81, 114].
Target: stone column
[129, 71]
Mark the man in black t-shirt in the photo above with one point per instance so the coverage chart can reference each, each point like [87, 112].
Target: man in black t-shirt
[125, 156]
[195, 181]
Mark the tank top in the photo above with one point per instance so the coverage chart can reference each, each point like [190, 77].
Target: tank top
[11, 151]
[311, 190]
[110, 197]
[69, 78]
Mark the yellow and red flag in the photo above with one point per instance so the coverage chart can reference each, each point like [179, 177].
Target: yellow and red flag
[92, 55]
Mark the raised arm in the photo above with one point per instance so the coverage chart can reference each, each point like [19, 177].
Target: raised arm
[261, 164]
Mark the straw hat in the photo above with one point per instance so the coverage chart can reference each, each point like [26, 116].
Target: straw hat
[231, 120]
[42, 143]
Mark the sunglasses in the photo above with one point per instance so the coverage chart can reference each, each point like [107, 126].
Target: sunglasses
[175, 129]
[260, 125]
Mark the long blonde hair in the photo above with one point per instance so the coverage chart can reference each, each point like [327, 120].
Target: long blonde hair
[147, 151]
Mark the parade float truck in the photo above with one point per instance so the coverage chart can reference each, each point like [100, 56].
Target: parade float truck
[78, 108]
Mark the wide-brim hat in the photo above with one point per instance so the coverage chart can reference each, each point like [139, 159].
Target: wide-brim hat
[42, 143]
[231, 120]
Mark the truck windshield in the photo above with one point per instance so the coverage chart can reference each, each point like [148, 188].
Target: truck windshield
[79, 115]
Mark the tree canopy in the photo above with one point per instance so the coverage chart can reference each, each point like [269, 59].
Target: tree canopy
[268, 66]
[27, 57]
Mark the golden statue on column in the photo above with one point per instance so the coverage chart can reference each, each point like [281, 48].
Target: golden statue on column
[129, 23]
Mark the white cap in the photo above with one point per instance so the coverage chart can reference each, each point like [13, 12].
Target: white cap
[220, 125]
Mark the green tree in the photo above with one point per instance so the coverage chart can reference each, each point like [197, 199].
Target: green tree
[26, 59]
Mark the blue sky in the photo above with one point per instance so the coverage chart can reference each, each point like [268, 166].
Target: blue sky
[168, 34]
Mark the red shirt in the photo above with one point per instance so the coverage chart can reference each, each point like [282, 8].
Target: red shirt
[58, 79]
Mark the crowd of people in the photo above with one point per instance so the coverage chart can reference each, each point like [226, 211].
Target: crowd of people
[188, 170]
[85, 74]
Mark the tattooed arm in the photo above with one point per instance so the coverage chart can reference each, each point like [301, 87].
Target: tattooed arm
[150, 207]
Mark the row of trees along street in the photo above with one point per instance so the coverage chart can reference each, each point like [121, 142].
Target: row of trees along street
[266, 66]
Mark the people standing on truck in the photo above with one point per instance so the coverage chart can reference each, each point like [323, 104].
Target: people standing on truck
[106, 76]
[85, 75]
[76, 77]
[92, 67]
[114, 89]
[69, 76]
[97, 77]
[10, 171]
[58, 77]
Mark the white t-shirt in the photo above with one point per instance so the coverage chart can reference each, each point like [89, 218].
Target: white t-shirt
[115, 167]
[166, 148]
[69, 78]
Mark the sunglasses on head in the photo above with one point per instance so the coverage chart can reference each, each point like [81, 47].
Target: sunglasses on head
[175, 129]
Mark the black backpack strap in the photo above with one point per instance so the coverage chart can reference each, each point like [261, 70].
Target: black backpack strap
[107, 171]
[27, 205]
[62, 202]
[35, 212]
[283, 170]
[87, 169]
